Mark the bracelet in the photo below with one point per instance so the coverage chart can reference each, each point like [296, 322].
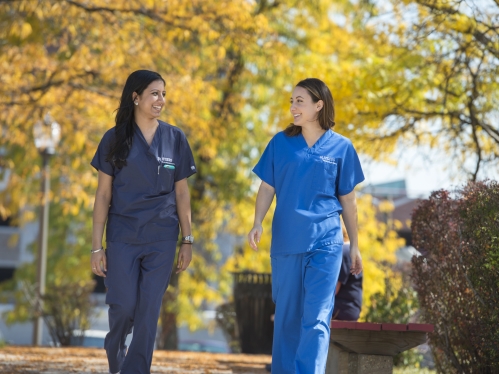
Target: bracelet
[96, 250]
[186, 243]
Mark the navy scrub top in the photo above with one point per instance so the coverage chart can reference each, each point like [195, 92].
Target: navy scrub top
[143, 205]
[348, 300]
[307, 184]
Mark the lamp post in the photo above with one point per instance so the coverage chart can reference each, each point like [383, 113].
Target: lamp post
[47, 134]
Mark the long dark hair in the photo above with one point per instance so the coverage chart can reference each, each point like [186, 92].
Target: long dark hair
[318, 91]
[120, 148]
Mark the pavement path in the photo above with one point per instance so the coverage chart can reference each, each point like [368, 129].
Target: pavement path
[46, 360]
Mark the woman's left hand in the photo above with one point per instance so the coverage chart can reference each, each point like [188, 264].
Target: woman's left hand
[356, 268]
[184, 257]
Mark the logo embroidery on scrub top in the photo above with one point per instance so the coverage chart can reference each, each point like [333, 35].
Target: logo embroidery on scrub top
[165, 159]
[166, 163]
[330, 160]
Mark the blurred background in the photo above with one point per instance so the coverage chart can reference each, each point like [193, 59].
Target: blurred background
[415, 88]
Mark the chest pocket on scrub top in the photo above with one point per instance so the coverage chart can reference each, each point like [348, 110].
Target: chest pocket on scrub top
[324, 176]
[166, 178]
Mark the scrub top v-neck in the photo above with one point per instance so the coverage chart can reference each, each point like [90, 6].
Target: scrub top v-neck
[307, 182]
[143, 204]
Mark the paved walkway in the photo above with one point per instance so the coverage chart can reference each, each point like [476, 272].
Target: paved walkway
[21, 359]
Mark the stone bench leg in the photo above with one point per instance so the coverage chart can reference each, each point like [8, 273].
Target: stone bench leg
[342, 362]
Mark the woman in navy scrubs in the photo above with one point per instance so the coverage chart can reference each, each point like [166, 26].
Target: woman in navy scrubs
[142, 197]
[313, 172]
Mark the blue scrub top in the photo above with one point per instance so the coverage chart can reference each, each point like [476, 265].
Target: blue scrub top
[307, 183]
[143, 204]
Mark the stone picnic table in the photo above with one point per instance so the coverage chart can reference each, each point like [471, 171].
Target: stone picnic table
[369, 348]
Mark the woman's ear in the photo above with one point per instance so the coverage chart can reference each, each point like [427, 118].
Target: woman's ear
[320, 104]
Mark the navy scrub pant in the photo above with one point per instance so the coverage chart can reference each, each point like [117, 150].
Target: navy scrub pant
[303, 287]
[136, 280]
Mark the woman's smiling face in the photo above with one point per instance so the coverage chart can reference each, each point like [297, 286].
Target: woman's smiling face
[303, 109]
[151, 102]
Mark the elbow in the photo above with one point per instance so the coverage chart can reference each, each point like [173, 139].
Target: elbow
[182, 195]
[348, 198]
[183, 201]
[267, 189]
[348, 203]
[103, 198]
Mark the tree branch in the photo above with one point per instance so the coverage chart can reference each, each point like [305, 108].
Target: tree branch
[153, 15]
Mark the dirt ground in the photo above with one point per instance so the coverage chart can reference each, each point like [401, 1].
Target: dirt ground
[17, 359]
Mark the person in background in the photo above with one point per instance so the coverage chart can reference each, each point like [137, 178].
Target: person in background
[348, 298]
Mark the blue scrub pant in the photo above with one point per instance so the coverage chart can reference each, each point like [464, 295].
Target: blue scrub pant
[136, 280]
[303, 287]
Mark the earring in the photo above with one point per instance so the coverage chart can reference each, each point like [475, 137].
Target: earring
[136, 103]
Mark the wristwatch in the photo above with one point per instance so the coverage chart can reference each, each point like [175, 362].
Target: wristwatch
[189, 239]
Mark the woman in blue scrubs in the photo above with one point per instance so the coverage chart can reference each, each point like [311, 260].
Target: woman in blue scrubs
[312, 171]
[142, 197]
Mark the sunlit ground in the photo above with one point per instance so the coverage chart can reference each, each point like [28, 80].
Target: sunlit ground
[89, 360]
[22, 359]
[44, 360]
[413, 371]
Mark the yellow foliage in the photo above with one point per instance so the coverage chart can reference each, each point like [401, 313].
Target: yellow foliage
[385, 206]
[229, 68]
[377, 244]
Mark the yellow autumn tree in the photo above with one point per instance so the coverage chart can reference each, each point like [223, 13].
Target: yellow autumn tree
[71, 59]
[229, 68]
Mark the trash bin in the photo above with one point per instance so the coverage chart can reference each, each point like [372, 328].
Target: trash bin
[254, 308]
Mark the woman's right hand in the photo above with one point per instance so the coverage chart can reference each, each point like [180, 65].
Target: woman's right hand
[99, 263]
[254, 236]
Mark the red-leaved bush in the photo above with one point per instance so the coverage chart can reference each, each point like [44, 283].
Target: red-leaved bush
[457, 277]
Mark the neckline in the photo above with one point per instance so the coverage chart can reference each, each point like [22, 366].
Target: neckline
[318, 143]
[141, 135]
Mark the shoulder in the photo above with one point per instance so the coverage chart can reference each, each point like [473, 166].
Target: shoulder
[342, 146]
[108, 136]
[170, 130]
[340, 139]
[281, 137]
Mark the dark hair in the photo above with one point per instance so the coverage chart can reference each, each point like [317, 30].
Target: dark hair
[318, 91]
[120, 147]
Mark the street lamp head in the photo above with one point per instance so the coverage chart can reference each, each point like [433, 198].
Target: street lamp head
[47, 135]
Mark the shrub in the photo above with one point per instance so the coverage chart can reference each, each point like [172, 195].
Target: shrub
[457, 277]
[66, 307]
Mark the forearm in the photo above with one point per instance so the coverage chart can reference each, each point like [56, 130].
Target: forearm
[263, 200]
[184, 215]
[349, 205]
[101, 209]
[184, 208]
